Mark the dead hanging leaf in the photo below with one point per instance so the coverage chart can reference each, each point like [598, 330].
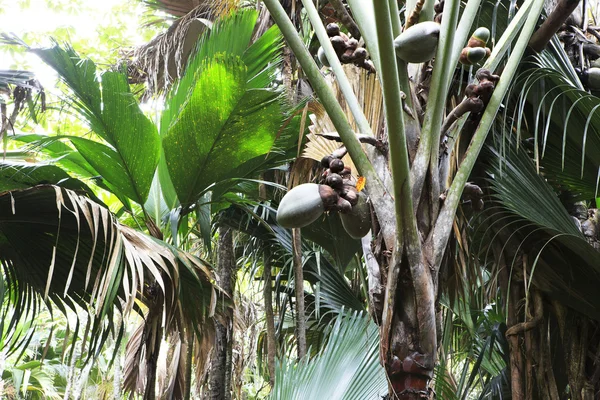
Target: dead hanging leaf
[360, 183]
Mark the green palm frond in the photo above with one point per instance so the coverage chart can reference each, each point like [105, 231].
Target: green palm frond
[474, 344]
[56, 152]
[563, 120]
[59, 246]
[128, 154]
[15, 77]
[565, 265]
[21, 175]
[347, 368]
[223, 113]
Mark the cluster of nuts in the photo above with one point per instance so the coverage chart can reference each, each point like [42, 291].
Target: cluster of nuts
[477, 96]
[339, 178]
[306, 203]
[346, 48]
[476, 49]
[484, 88]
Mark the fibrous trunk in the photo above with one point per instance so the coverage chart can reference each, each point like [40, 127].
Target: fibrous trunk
[270, 318]
[220, 373]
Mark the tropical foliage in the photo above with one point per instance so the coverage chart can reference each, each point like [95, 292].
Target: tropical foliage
[153, 230]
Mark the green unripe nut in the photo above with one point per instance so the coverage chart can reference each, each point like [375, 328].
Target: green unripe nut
[344, 206]
[418, 43]
[357, 223]
[480, 37]
[304, 204]
[472, 55]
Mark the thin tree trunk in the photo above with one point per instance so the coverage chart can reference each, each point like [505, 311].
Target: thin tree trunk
[189, 348]
[154, 340]
[270, 317]
[299, 286]
[510, 292]
[220, 371]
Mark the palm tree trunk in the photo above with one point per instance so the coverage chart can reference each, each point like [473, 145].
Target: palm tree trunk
[220, 372]
[270, 318]
[510, 293]
[189, 348]
[299, 286]
[154, 338]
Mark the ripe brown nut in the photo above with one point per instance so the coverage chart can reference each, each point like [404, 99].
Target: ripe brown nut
[344, 206]
[333, 29]
[485, 74]
[359, 55]
[368, 65]
[350, 193]
[471, 90]
[347, 56]
[336, 165]
[352, 44]
[328, 196]
[325, 161]
[477, 205]
[335, 181]
[339, 45]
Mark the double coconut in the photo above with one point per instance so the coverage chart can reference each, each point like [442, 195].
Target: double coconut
[418, 43]
[306, 203]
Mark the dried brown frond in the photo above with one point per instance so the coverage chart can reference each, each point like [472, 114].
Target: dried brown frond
[368, 92]
[180, 8]
[202, 356]
[169, 51]
[413, 18]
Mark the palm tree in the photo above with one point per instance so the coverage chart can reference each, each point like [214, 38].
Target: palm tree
[416, 195]
[466, 301]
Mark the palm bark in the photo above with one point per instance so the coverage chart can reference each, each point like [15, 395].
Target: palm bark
[299, 287]
[269, 317]
[220, 373]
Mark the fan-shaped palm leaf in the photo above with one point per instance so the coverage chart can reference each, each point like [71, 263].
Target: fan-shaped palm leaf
[565, 265]
[347, 368]
[222, 113]
[562, 118]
